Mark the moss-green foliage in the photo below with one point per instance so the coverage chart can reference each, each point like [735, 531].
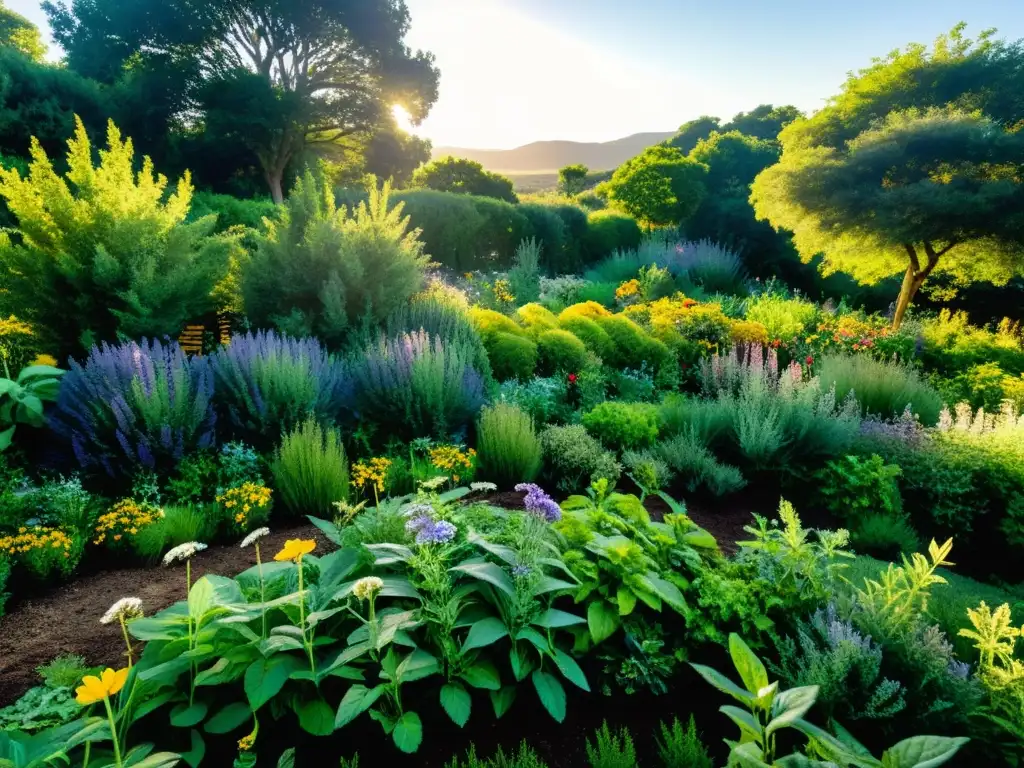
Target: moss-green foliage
[610, 231]
[524, 277]
[512, 357]
[573, 458]
[952, 344]
[623, 425]
[883, 389]
[524, 757]
[593, 336]
[694, 464]
[180, 524]
[508, 448]
[611, 750]
[682, 748]
[449, 225]
[600, 293]
[560, 351]
[102, 251]
[785, 319]
[232, 211]
[634, 348]
[310, 470]
[320, 270]
[536, 319]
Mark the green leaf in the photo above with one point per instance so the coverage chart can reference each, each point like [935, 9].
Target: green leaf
[408, 733]
[501, 700]
[520, 663]
[626, 599]
[724, 684]
[570, 669]
[551, 584]
[229, 718]
[197, 751]
[667, 591]
[490, 573]
[287, 759]
[752, 671]
[534, 638]
[552, 618]
[922, 751]
[484, 633]
[330, 531]
[456, 702]
[551, 693]
[747, 756]
[483, 674]
[791, 705]
[416, 666]
[184, 716]
[747, 722]
[356, 700]
[200, 598]
[266, 677]
[700, 539]
[6, 438]
[602, 620]
[316, 717]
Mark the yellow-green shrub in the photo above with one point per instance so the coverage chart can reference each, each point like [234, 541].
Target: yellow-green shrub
[748, 332]
[634, 347]
[512, 357]
[560, 351]
[588, 309]
[537, 319]
[488, 323]
[623, 425]
[594, 337]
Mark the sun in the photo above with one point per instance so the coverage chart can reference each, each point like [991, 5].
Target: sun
[402, 118]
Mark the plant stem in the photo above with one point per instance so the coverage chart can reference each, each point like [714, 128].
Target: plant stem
[127, 640]
[113, 732]
[263, 596]
[302, 622]
[191, 668]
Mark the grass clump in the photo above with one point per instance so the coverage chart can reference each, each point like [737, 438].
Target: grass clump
[310, 470]
[508, 448]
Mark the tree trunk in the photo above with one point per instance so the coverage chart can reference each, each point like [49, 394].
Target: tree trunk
[275, 180]
[915, 277]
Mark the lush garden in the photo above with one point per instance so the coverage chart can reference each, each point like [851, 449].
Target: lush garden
[441, 476]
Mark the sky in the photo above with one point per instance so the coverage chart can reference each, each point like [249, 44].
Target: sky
[516, 71]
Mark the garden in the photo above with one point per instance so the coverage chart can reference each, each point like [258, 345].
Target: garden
[420, 476]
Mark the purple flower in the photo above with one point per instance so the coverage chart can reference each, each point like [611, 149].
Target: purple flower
[539, 504]
[436, 532]
[521, 571]
[418, 522]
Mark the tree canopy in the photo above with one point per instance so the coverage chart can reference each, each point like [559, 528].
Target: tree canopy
[905, 171]
[660, 186]
[462, 176]
[763, 122]
[572, 179]
[275, 76]
[21, 34]
[693, 131]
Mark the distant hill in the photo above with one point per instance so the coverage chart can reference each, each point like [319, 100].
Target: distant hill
[549, 156]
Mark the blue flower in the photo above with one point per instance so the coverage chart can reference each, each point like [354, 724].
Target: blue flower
[439, 532]
[539, 504]
[521, 571]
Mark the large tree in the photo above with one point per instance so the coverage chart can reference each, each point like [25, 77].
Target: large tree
[279, 76]
[763, 122]
[914, 169]
[462, 176]
[660, 186]
[693, 131]
[21, 34]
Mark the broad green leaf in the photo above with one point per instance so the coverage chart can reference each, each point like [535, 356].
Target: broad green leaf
[922, 751]
[534, 638]
[416, 666]
[626, 599]
[157, 760]
[287, 759]
[752, 671]
[791, 705]
[551, 693]
[570, 669]
[501, 700]
[490, 573]
[184, 716]
[229, 718]
[356, 700]
[483, 674]
[266, 677]
[747, 756]
[316, 717]
[484, 633]
[520, 663]
[200, 598]
[330, 531]
[386, 721]
[551, 584]
[552, 618]
[456, 702]
[454, 493]
[667, 591]
[747, 722]
[194, 757]
[724, 684]
[408, 733]
[602, 620]
[498, 550]
[700, 539]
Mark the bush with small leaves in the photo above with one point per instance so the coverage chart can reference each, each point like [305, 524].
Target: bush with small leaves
[622, 426]
[560, 352]
[512, 357]
[310, 470]
[508, 448]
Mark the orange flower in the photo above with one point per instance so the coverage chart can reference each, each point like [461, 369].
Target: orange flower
[95, 689]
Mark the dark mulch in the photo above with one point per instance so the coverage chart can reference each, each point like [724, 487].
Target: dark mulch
[67, 618]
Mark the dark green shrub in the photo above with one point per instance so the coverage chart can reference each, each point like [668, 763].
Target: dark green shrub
[611, 750]
[560, 351]
[593, 336]
[502, 228]
[512, 357]
[697, 467]
[682, 748]
[570, 260]
[887, 536]
[547, 227]
[508, 449]
[523, 758]
[610, 231]
[602, 293]
[854, 487]
[883, 389]
[232, 211]
[310, 471]
[524, 277]
[5, 574]
[634, 348]
[623, 425]
[449, 226]
[320, 271]
[461, 176]
[573, 458]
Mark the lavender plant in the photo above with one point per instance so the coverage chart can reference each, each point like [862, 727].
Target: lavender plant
[416, 384]
[135, 405]
[268, 383]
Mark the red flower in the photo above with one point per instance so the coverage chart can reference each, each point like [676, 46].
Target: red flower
[810, 360]
[572, 378]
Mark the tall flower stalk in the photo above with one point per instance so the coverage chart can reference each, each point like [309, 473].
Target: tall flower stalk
[253, 540]
[123, 611]
[295, 550]
[186, 552]
[94, 689]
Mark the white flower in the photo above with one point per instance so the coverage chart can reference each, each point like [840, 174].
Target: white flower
[434, 483]
[183, 551]
[125, 608]
[483, 487]
[253, 537]
[367, 587]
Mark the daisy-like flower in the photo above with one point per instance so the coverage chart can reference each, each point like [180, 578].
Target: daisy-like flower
[183, 552]
[95, 689]
[367, 587]
[125, 609]
[483, 487]
[254, 536]
[295, 549]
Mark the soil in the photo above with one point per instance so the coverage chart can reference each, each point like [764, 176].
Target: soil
[67, 618]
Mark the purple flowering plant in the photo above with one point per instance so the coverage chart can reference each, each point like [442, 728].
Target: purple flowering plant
[135, 405]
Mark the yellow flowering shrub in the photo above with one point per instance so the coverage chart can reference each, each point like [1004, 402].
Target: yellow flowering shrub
[537, 319]
[629, 292]
[588, 309]
[676, 319]
[502, 290]
[372, 474]
[124, 520]
[454, 461]
[41, 550]
[748, 332]
[246, 505]
[17, 342]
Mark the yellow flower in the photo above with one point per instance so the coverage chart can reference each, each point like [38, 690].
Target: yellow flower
[49, 360]
[294, 549]
[95, 689]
